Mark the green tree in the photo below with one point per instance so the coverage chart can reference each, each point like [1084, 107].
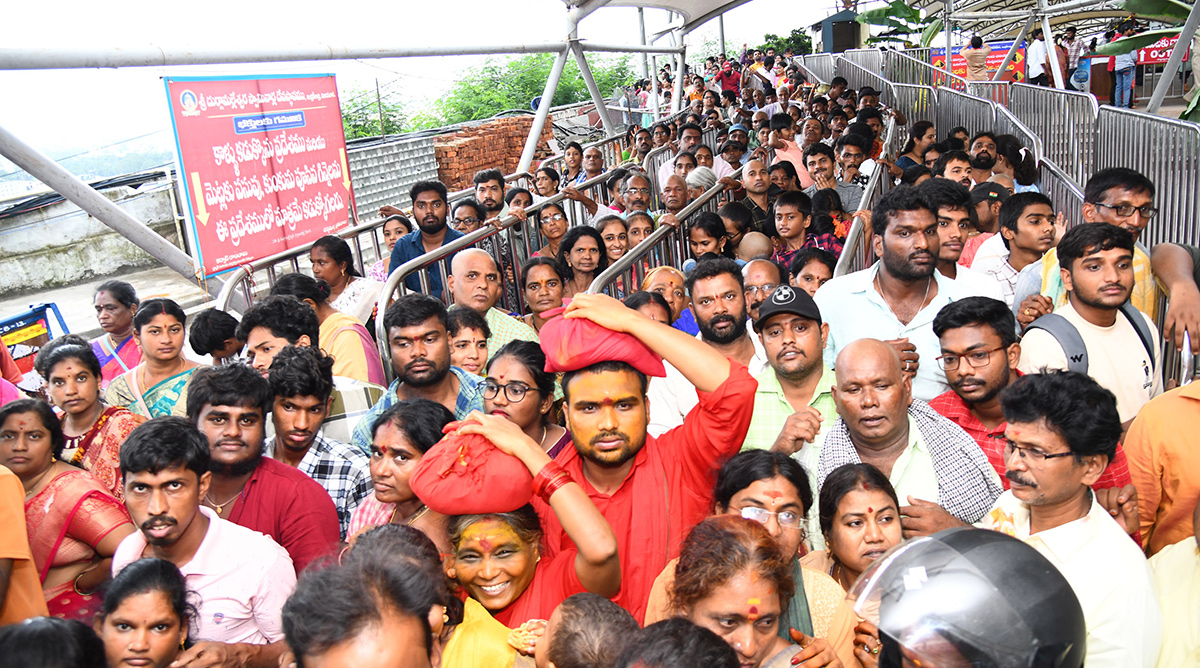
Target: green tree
[799, 41]
[361, 114]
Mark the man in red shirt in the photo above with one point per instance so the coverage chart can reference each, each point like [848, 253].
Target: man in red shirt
[980, 352]
[229, 405]
[729, 79]
[651, 490]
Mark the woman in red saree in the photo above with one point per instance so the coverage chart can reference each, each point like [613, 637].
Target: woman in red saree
[94, 432]
[116, 302]
[74, 525]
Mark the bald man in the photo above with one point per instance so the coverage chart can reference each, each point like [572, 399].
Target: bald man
[475, 282]
[755, 246]
[761, 277]
[929, 460]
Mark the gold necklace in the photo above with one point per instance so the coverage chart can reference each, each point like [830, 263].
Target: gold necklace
[220, 507]
[879, 288]
[179, 367]
[40, 480]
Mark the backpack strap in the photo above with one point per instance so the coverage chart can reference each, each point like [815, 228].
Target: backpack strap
[1142, 329]
[1067, 336]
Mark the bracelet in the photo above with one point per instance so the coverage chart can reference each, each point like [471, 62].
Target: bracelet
[75, 585]
[555, 484]
[550, 470]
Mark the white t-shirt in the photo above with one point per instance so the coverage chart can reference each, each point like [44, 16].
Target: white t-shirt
[989, 254]
[1116, 358]
[1035, 58]
[672, 396]
[978, 283]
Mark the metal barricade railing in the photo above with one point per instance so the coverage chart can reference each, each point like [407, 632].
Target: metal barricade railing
[1167, 151]
[1066, 122]
[869, 59]
[663, 245]
[957, 108]
[242, 279]
[902, 68]
[653, 162]
[1148, 76]
[1062, 190]
[857, 253]
[820, 64]
[996, 91]
[917, 102]
[812, 75]
[1008, 124]
[858, 76]
[517, 180]
[924, 54]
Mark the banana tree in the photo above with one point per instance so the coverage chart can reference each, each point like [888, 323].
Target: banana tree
[903, 21]
[1171, 12]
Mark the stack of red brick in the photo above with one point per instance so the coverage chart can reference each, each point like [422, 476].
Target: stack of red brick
[496, 144]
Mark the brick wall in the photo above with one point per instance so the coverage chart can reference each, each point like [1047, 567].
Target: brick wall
[495, 144]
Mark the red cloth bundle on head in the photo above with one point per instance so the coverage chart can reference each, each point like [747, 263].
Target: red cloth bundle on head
[576, 343]
[464, 474]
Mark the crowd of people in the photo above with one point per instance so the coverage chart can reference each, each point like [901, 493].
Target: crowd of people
[715, 463]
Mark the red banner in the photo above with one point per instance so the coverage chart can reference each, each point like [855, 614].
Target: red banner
[263, 162]
[1158, 52]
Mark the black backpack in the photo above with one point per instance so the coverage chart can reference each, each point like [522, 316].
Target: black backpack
[1072, 343]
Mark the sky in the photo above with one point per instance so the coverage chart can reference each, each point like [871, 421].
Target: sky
[71, 110]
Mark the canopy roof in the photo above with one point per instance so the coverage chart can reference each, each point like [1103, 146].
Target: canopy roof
[1088, 19]
[695, 13]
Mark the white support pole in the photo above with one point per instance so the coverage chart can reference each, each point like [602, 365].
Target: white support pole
[543, 112]
[677, 96]
[597, 98]
[642, 34]
[1049, 37]
[948, 6]
[654, 88]
[1176, 59]
[721, 31]
[49, 172]
[1012, 50]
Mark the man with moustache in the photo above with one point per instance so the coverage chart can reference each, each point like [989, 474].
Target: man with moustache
[429, 207]
[229, 405]
[674, 196]
[651, 490]
[756, 184]
[475, 283]
[983, 156]
[761, 278]
[719, 304]
[241, 578]
[489, 191]
[420, 347]
[897, 298]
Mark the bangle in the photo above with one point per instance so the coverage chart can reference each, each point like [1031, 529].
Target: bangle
[75, 585]
[550, 470]
[555, 484]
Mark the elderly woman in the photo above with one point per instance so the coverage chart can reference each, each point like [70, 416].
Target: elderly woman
[699, 181]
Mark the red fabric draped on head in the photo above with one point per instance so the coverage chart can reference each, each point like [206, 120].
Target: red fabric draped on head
[571, 344]
[464, 474]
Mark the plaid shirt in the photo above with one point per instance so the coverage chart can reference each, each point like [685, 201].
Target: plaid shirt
[827, 242]
[771, 408]
[967, 485]
[343, 471]
[991, 441]
[1073, 50]
[1006, 277]
[506, 329]
[351, 401]
[470, 398]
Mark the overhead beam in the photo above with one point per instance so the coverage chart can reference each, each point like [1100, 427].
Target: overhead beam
[594, 90]
[543, 112]
[1012, 50]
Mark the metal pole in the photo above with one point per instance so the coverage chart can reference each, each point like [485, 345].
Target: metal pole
[1012, 50]
[642, 33]
[379, 108]
[949, 10]
[601, 105]
[677, 97]
[654, 88]
[41, 167]
[721, 31]
[1049, 37]
[1176, 59]
[543, 112]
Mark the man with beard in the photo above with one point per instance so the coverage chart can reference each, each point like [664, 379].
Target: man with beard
[719, 304]
[241, 578]
[1120, 353]
[282, 320]
[929, 460]
[229, 405]
[690, 136]
[983, 156]
[652, 491]
[898, 296]
[760, 278]
[302, 382]
[980, 352]
[429, 207]
[489, 191]
[642, 144]
[986, 198]
[420, 347]
[794, 403]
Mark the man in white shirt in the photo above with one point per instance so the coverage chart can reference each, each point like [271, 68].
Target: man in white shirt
[1036, 59]
[1062, 432]
[241, 577]
[1119, 353]
[951, 203]
[1027, 230]
[719, 304]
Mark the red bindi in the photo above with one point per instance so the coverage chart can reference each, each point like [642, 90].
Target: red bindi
[870, 509]
[485, 544]
[773, 494]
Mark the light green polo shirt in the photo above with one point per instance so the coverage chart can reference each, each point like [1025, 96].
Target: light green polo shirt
[771, 409]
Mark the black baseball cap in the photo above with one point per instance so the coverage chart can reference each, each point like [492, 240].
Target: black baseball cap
[787, 299]
[989, 192]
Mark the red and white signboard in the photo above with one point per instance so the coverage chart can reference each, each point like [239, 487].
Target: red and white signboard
[263, 162]
[1158, 52]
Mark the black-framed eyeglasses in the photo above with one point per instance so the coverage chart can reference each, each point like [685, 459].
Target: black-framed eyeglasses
[515, 392]
[1126, 210]
[978, 359]
[1035, 457]
[465, 221]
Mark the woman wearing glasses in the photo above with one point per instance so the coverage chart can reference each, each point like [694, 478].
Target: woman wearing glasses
[552, 223]
[773, 490]
[520, 390]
